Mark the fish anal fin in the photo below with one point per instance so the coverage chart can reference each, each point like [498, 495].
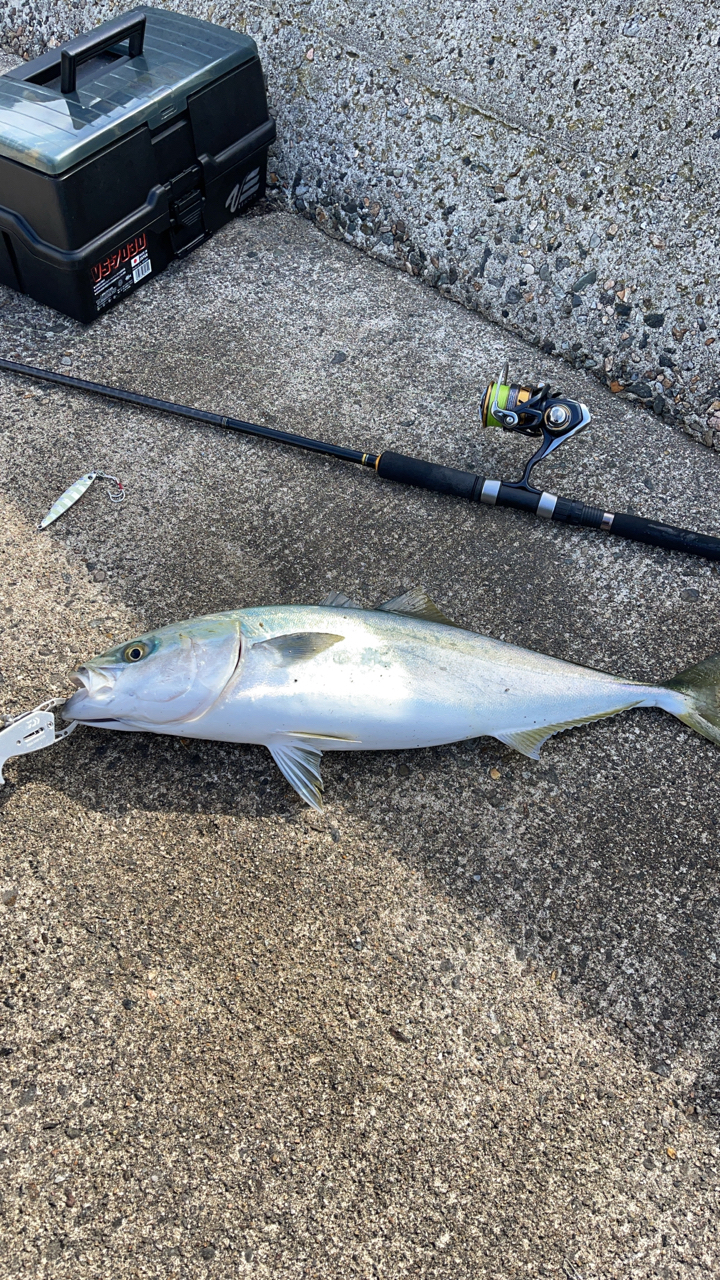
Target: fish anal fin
[336, 600]
[297, 646]
[529, 741]
[416, 603]
[298, 755]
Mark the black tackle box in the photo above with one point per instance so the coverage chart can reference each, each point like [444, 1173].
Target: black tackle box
[123, 149]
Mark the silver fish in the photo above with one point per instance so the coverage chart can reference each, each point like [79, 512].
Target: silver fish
[302, 680]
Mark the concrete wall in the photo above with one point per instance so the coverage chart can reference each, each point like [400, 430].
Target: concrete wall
[557, 168]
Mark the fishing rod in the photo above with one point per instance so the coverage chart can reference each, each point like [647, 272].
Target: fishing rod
[538, 412]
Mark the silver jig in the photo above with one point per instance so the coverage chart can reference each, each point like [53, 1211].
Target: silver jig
[76, 490]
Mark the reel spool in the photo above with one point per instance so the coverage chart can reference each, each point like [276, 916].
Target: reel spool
[510, 399]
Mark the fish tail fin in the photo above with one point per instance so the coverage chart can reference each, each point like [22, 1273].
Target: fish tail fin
[699, 687]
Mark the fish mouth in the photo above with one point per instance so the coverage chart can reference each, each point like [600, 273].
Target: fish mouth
[92, 680]
[88, 703]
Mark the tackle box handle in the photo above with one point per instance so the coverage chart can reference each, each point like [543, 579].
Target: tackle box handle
[130, 27]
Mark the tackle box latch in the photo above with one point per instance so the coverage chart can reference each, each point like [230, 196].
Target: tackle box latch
[187, 224]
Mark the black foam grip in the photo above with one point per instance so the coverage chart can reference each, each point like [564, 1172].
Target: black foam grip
[667, 536]
[426, 475]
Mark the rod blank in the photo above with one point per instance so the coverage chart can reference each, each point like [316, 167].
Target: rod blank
[197, 415]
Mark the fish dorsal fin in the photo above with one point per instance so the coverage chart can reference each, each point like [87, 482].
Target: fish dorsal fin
[298, 756]
[416, 603]
[529, 741]
[297, 646]
[336, 600]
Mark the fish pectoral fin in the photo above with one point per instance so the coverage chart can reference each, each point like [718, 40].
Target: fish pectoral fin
[336, 600]
[529, 741]
[298, 646]
[300, 764]
[298, 756]
[416, 603]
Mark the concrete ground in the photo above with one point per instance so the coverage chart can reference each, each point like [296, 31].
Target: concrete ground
[464, 1023]
[554, 166]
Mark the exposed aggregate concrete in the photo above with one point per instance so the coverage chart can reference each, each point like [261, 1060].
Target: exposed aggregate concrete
[463, 1024]
[555, 168]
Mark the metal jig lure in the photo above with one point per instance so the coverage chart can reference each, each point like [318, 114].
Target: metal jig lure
[76, 490]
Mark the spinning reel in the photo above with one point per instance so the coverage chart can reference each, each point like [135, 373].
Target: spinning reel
[532, 411]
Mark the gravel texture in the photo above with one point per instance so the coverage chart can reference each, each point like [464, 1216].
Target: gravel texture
[463, 1023]
[554, 168]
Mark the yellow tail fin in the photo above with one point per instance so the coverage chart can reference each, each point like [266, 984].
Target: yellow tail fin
[700, 686]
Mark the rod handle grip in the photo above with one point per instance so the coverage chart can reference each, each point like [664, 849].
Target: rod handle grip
[427, 475]
[670, 538]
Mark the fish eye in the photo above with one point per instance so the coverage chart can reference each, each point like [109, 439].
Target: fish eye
[135, 651]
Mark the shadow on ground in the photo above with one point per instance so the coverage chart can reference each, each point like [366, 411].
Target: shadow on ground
[612, 885]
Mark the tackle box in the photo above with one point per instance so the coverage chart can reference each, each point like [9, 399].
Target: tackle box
[125, 148]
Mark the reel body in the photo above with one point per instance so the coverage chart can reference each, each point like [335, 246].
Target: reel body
[532, 411]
